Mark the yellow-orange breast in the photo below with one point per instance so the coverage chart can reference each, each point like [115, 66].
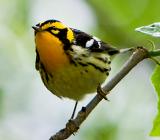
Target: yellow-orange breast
[51, 51]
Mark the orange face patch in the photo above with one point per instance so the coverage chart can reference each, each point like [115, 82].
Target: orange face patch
[51, 51]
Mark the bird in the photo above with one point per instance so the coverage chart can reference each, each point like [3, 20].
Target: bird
[71, 63]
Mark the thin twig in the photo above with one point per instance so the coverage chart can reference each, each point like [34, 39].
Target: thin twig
[73, 125]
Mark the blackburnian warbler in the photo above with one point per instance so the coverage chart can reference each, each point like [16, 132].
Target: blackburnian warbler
[71, 63]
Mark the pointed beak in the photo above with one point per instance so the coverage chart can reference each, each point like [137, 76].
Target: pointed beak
[37, 29]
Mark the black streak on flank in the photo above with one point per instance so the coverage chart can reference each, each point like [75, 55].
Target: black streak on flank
[82, 64]
[37, 60]
[44, 71]
[109, 62]
[86, 71]
[107, 73]
[106, 69]
[96, 67]
[102, 59]
[73, 62]
[84, 55]
[51, 75]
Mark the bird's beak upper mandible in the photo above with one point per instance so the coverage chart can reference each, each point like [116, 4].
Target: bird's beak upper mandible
[36, 28]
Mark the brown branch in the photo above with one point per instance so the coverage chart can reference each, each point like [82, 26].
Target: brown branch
[73, 125]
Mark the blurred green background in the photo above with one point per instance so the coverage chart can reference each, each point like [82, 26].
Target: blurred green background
[27, 109]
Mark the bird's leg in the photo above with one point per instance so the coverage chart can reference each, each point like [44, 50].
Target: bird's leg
[74, 110]
[101, 92]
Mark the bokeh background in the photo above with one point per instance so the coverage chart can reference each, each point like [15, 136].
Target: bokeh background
[27, 109]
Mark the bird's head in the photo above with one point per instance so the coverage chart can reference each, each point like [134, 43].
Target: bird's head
[56, 28]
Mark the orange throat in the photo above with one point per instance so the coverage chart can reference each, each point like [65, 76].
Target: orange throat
[51, 52]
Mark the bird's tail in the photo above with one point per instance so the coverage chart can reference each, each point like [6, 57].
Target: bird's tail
[114, 51]
[125, 50]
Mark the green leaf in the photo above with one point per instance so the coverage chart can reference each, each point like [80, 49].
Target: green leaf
[152, 29]
[156, 82]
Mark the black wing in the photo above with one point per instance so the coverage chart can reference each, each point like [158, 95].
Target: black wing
[92, 43]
